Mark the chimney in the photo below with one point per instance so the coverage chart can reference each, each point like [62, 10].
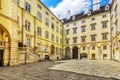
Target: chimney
[68, 14]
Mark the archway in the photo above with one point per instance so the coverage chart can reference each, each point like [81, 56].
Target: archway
[75, 52]
[4, 44]
[67, 53]
[52, 49]
[83, 56]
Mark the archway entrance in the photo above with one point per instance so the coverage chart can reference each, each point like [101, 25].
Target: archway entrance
[75, 52]
[67, 53]
[83, 56]
[52, 49]
[4, 44]
[1, 57]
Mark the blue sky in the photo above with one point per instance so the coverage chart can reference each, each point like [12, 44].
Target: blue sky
[60, 7]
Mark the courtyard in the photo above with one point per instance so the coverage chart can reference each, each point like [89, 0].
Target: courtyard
[63, 70]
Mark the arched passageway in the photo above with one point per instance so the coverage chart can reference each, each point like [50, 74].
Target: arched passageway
[75, 52]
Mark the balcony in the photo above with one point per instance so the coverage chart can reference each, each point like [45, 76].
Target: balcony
[2, 44]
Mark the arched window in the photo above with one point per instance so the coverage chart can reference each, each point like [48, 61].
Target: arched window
[39, 31]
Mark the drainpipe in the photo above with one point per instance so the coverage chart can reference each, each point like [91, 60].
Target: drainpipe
[110, 38]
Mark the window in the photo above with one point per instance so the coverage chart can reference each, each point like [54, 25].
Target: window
[83, 21]
[47, 34]
[67, 40]
[27, 7]
[47, 21]
[93, 37]
[104, 36]
[52, 18]
[39, 31]
[46, 13]
[92, 26]
[28, 41]
[75, 40]
[104, 47]
[67, 25]
[57, 40]
[27, 25]
[39, 6]
[84, 48]
[74, 23]
[103, 16]
[52, 37]
[39, 46]
[93, 47]
[74, 30]
[104, 24]
[57, 29]
[83, 28]
[92, 19]
[83, 38]
[52, 25]
[39, 15]
[67, 32]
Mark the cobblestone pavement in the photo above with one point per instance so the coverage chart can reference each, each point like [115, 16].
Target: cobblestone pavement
[102, 68]
[40, 71]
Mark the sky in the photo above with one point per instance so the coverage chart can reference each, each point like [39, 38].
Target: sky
[60, 7]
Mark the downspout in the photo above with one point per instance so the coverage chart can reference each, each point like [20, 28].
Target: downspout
[110, 37]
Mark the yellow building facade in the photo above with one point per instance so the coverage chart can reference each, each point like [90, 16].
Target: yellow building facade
[115, 29]
[28, 32]
[88, 35]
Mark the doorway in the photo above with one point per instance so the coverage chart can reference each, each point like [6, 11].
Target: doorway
[1, 57]
[93, 56]
[75, 52]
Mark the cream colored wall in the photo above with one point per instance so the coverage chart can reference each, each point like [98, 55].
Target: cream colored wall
[115, 34]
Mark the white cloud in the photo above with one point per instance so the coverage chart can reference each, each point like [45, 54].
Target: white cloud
[75, 6]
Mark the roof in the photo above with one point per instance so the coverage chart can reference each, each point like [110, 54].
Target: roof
[90, 13]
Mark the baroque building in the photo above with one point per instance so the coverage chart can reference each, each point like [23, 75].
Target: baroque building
[115, 29]
[88, 34]
[29, 32]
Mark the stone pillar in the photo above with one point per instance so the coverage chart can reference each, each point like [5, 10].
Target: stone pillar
[14, 53]
[99, 54]
[71, 54]
[6, 55]
[88, 53]
[79, 50]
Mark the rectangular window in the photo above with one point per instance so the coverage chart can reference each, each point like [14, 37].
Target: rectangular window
[28, 41]
[39, 15]
[39, 46]
[75, 40]
[92, 26]
[67, 40]
[52, 37]
[47, 21]
[93, 47]
[67, 32]
[57, 29]
[104, 36]
[103, 16]
[57, 40]
[27, 7]
[83, 38]
[27, 25]
[104, 24]
[74, 30]
[104, 47]
[83, 28]
[52, 25]
[93, 37]
[46, 13]
[92, 19]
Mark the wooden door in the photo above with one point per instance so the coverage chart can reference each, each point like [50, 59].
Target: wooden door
[1, 57]
[93, 56]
